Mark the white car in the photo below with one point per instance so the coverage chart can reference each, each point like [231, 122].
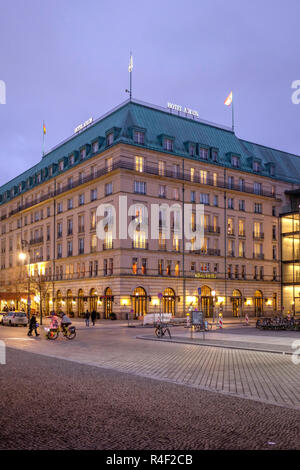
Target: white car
[15, 318]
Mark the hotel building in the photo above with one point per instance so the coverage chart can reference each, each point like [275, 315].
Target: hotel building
[152, 156]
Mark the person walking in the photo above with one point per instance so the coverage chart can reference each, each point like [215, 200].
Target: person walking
[32, 326]
[87, 318]
[93, 317]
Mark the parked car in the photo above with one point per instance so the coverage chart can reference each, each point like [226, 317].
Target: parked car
[15, 318]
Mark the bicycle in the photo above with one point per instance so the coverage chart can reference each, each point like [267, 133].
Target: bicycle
[53, 333]
[161, 330]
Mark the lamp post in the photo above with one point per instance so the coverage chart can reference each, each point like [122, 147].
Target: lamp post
[213, 293]
[22, 257]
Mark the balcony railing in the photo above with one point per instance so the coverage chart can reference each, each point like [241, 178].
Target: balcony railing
[140, 245]
[258, 256]
[206, 252]
[150, 169]
[211, 229]
[37, 240]
[108, 246]
[258, 236]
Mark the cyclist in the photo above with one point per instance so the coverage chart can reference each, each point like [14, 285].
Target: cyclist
[53, 321]
[65, 322]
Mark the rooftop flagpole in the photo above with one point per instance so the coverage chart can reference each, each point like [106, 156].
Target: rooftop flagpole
[228, 102]
[130, 67]
[44, 133]
[232, 115]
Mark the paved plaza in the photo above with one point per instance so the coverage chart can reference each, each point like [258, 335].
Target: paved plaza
[263, 376]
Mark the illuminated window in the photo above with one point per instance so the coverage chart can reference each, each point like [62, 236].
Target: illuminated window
[203, 176]
[192, 174]
[161, 168]
[139, 164]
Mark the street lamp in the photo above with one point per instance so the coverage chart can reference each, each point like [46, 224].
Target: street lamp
[213, 293]
[22, 257]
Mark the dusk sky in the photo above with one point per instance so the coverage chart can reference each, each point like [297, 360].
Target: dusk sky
[64, 61]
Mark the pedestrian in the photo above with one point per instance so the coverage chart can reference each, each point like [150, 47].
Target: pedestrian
[33, 326]
[93, 317]
[87, 318]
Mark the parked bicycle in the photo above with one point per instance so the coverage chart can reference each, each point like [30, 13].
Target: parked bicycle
[68, 332]
[161, 330]
[278, 323]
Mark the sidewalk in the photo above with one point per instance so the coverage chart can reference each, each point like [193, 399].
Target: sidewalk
[251, 340]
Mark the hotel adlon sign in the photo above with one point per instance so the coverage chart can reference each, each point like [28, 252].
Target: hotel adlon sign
[184, 109]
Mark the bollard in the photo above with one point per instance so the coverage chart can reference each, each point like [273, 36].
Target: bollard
[247, 319]
[220, 320]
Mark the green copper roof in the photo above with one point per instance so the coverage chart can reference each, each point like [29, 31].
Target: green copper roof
[157, 122]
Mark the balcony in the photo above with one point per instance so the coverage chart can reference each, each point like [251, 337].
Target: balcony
[211, 229]
[258, 256]
[231, 253]
[36, 241]
[242, 234]
[230, 233]
[139, 245]
[206, 252]
[151, 169]
[81, 229]
[108, 246]
[258, 236]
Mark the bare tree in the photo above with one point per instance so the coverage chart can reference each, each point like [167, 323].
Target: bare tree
[40, 287]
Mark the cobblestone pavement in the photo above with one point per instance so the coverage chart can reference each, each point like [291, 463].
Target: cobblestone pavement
[49, 403]
[266, 377]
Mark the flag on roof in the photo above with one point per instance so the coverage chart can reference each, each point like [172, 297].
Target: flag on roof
[228, 100]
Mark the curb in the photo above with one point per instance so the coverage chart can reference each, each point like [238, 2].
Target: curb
[245, 348]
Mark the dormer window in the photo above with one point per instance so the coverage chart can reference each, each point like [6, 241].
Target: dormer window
[256, 166]
[214, 155]
[95, 146]
[192, 149]
[235, 161]
[61, 165]
[203, 153]
[71, 160]
[139, 137]
[168, 144]
[109, 138]
[50, 171]
[38, 178]
[82, 153]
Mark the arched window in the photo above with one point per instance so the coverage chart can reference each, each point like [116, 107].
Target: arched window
[139, 301]
[80, 302]
[168, 301]
[93, 300]
[69, 302]
[108, 301]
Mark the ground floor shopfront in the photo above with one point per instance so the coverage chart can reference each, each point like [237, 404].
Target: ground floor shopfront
[139, 296]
